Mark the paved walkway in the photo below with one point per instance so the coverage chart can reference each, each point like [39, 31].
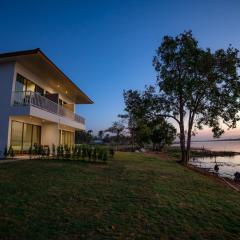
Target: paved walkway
[10, 160]
[17, 158]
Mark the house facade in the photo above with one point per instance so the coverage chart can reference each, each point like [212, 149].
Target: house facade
[38, 102]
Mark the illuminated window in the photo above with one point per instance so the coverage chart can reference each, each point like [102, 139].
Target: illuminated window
[66, 138]
[24, 135]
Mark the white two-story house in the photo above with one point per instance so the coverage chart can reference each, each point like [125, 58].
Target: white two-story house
[37, 102]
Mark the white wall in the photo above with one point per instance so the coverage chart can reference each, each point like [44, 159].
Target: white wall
[50, 134]
[6, 87]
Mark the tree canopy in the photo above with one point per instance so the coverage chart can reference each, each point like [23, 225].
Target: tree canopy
[144, 124]
[196, 86]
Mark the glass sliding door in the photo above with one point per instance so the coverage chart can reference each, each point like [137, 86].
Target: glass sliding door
[24, 136]
[36, 135]
[27, 137]
[66, 138]
[16, 135]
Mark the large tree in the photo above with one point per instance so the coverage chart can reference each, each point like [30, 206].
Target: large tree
[197, 87]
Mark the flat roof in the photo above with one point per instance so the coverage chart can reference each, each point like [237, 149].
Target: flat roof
[37, 57]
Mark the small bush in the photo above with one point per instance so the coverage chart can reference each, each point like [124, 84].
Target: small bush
[77, 152]
[111, 152]
[53, 150]
[94, 155]
[11, 152]
[84, 152]
[67, 151]
[105, 156]
[89, 153]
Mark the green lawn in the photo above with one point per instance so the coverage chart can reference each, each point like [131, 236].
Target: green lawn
[131, 197]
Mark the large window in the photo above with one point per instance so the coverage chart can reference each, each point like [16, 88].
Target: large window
[24, 135]
[25, 85]
[17, 135]
[66, 138]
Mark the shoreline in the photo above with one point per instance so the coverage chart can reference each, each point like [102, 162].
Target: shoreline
[226, 181]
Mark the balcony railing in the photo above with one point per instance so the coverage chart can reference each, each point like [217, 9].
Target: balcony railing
[29, 98]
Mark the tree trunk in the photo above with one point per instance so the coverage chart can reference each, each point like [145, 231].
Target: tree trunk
[132, 140]
[182, 132]
[188, 146]
[189, 136]
[182, 143]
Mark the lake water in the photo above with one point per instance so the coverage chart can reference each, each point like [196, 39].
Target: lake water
[227, 165]
[233, 146]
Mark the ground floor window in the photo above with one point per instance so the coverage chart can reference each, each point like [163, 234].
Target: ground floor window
[66, 138]
[24, 136]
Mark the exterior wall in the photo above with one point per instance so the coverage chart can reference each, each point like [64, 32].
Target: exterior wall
[8, 73]
[6, 83]
[49, 130]
[50, 134]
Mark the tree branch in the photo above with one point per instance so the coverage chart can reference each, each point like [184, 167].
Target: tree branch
[168, 116]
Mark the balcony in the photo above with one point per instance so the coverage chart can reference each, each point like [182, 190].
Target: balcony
[30, 98]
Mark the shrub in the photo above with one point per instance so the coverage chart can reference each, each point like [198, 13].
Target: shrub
[30, 152]
[94, 154]
[47, 151]
[58, 151]
[100, 154]
[35, 149]
[67, 152]
[89, 153]
[84, 152]
[111, 152]
[53, 150]
[74, 151]
[11, 152]
[105, 155]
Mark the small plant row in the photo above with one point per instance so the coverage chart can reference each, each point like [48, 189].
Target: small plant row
[77, 152]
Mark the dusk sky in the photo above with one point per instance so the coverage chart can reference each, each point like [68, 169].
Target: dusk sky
[108, 46]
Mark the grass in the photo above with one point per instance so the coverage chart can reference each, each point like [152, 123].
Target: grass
[132, 197]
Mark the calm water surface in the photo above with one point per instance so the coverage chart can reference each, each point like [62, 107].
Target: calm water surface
[227, 165]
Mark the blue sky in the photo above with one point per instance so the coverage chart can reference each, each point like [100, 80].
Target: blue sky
[108, 46]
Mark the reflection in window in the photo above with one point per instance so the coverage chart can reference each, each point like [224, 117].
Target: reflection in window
[23, 85]
[27, 137]
[66, 138]
[16, 135]
[24, 135]
[36, 135]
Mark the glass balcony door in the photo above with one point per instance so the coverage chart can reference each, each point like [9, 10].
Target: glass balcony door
[25, 85]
